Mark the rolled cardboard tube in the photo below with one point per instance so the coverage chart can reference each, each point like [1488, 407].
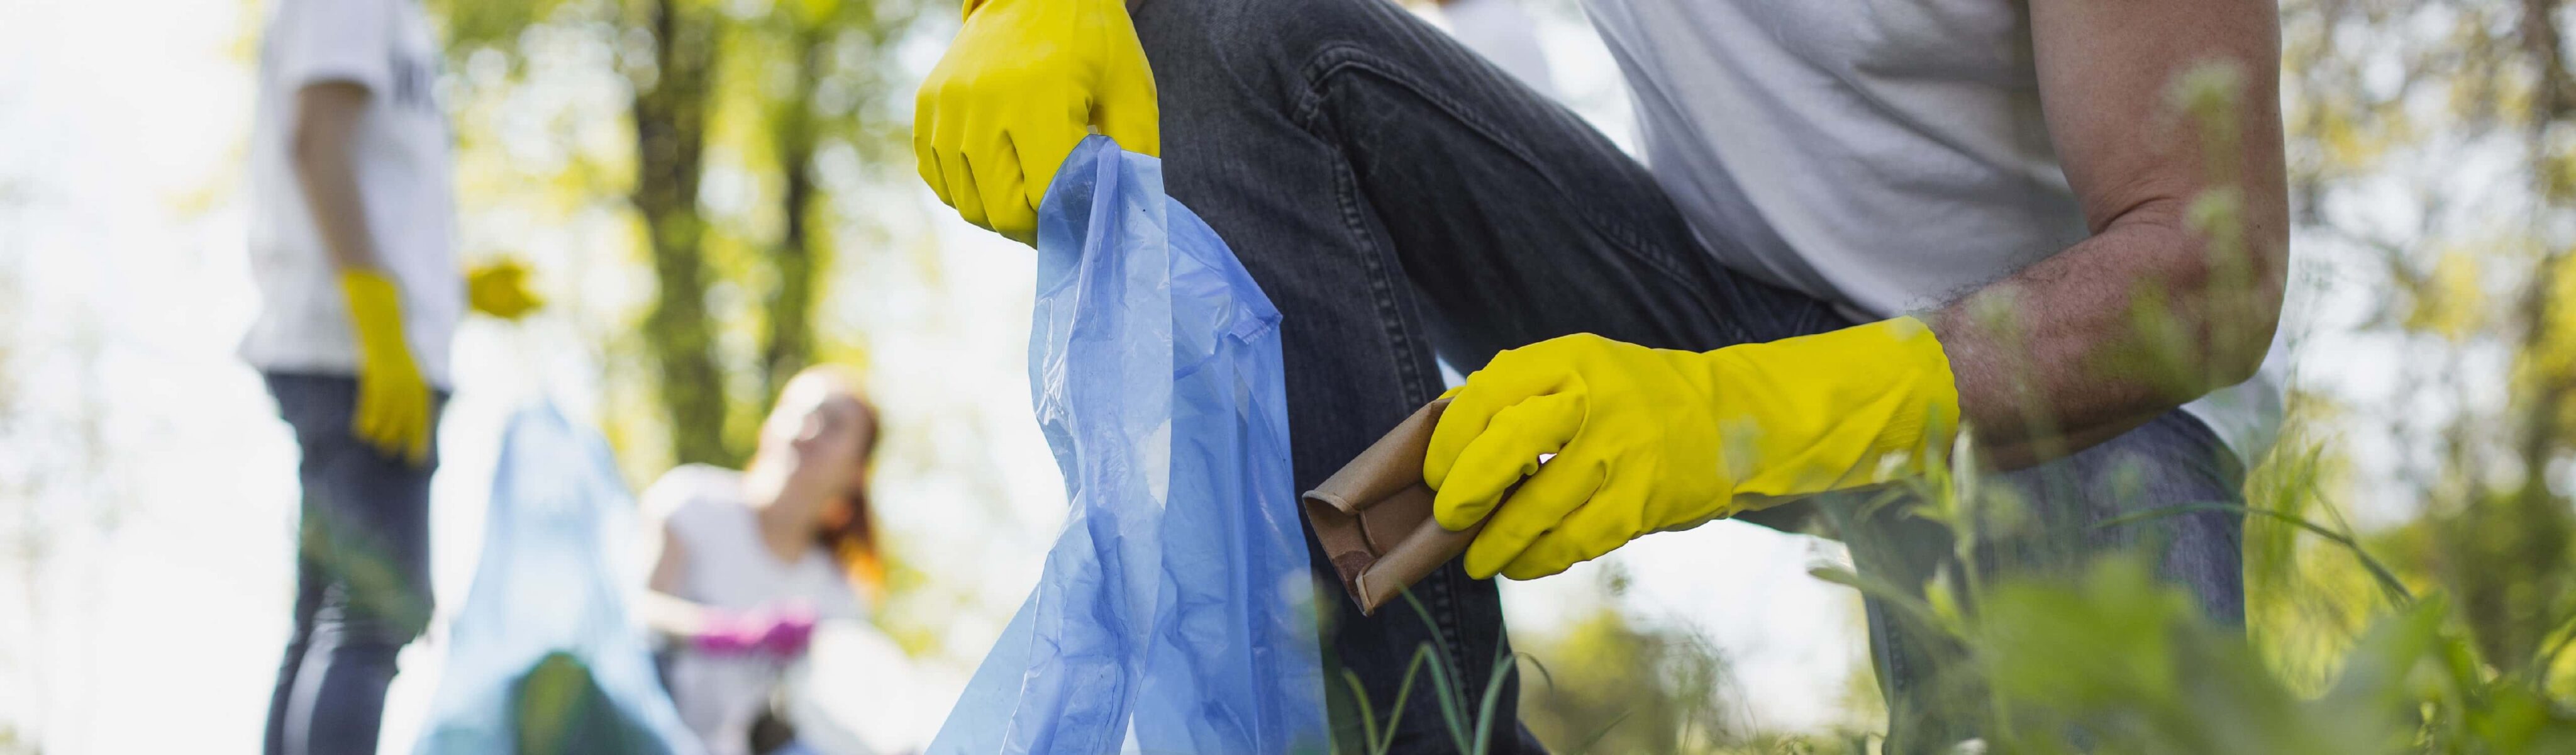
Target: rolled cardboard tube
[1374, 520]
[1409, 561]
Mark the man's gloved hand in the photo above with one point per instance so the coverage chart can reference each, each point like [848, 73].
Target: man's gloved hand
[1017, 89]
[1648, 440]
[393, 400]
[500, 289]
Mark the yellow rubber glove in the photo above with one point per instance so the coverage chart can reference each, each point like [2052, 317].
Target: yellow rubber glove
[1649, 440]
[393, 400]
[500, 289]
[1020, 86]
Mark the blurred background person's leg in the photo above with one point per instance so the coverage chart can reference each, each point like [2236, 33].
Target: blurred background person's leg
[363, 573]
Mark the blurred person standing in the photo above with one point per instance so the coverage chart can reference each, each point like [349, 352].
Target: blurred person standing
[752, 560]
[360, 292]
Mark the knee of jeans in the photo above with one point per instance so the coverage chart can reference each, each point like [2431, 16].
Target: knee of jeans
[409, 617]
[357, 635]
[390, 614]
[1201, 48]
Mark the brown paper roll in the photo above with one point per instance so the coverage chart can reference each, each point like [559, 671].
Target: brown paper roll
[1374, 516]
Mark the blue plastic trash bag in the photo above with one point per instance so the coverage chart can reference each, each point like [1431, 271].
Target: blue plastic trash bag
[1175, 613]
[542, 657]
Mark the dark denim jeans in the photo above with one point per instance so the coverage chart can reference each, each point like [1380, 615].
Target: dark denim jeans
[361, 573]
[1390, 190]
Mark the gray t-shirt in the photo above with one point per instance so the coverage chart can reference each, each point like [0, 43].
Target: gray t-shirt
[1884, 155]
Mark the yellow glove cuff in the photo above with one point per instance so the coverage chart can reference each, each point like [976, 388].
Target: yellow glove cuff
[375, 312]
[393, 412]
[1857, 406]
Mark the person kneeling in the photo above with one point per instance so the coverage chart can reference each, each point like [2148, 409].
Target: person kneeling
[752, 560]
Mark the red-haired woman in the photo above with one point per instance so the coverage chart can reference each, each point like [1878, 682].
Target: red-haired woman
[750, 560]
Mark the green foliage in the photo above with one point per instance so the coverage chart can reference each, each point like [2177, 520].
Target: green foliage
[2119, 663]
[1622, 689]
[763, 92]
[558, 708]
[1611, 685]
[479, 24]
[2351, 651]
[2115, 662]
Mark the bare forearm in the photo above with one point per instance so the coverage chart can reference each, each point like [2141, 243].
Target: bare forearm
[2110, 333]
[2164, 302]
[671, 615]
[326, 171]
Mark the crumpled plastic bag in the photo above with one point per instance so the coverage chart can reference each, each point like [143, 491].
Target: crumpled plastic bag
[550, 588]
[1175, 613]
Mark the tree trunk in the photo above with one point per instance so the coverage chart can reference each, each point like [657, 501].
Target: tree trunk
[670, 137]
[788, 345]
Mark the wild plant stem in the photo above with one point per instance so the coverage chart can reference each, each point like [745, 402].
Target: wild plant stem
[2388, 582]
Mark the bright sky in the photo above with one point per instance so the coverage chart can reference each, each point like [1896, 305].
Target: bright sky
[149, 614]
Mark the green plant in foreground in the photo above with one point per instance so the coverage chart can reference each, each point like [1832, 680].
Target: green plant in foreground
[1627, 689]
[2105, 658]
[2113, 661]
[1614, 684]
[1469, 731]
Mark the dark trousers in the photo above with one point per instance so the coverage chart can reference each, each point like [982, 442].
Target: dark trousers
[1395, 195]
[361, 573]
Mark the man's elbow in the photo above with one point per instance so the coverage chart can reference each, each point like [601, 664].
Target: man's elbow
[2238, 361]
[2226, 298]
[2241, 331]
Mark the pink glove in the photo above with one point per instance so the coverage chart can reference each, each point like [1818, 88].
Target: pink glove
[781, 631]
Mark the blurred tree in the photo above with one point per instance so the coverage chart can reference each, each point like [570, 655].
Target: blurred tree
[787, 344]
[2465, 110]
[756, 90]
[670, 119]
[830, 86]
[57, 487]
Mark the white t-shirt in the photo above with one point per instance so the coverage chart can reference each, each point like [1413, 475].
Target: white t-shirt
[402, 165]
[1885, 155]
[726, 565]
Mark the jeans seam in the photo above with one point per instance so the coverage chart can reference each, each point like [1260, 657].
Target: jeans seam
[1336, 58]
[1382, 284]
[1453, 626]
